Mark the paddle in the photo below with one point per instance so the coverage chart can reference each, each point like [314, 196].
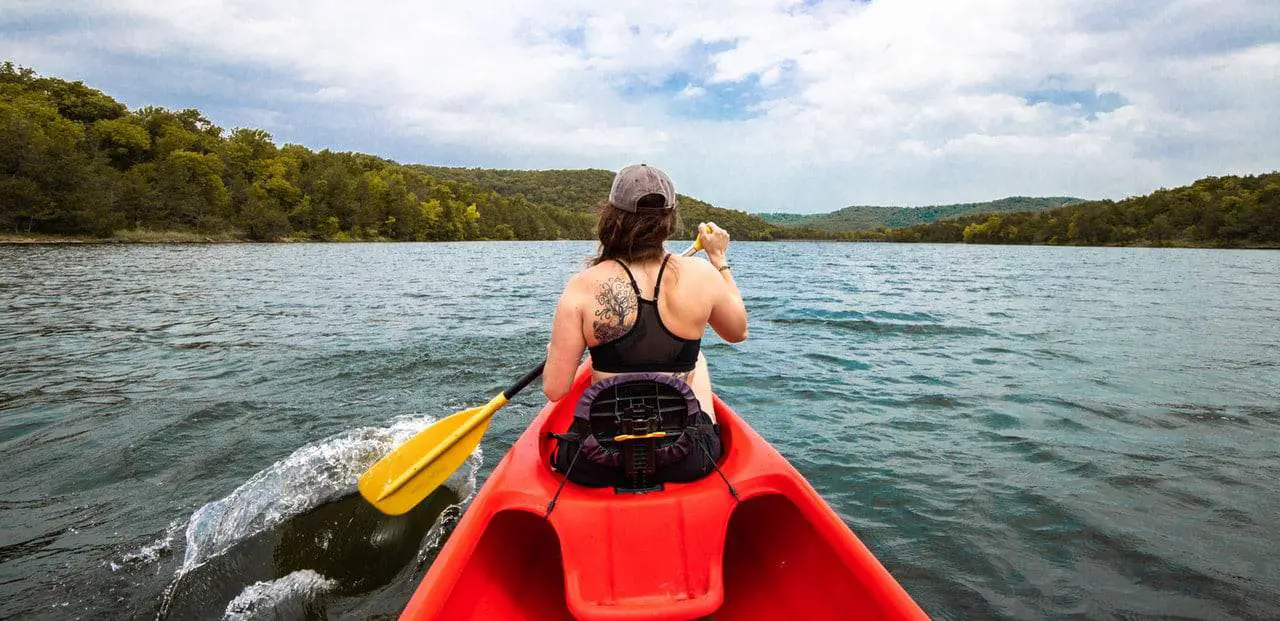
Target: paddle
[416, 468]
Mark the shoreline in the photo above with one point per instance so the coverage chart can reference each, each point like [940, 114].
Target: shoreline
[179, 237]
[120, 237]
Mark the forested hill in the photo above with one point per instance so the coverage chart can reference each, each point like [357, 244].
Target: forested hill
[75, 161]
[860, 217]
[1231, 211]
[581, 191]
[578, 190]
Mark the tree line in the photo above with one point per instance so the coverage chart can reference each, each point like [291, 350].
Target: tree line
[1229, 211]
[75, 161]
[581, 190]
[861, 217]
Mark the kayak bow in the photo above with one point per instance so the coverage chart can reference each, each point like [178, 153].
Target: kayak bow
[685, 552]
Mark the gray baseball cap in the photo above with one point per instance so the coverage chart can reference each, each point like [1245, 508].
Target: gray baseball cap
[638, 181]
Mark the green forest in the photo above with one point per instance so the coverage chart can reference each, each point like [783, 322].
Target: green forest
[1230, 211]
[861, 217]
[581, 190]
[74, 161]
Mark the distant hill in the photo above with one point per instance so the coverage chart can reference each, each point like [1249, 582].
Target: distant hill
[581, 190]
[1230, 211]
[75, 161]
[578, 190]
[861, 218]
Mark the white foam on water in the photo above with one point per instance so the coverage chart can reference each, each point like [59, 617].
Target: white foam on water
[449, 517]
[151, 552]
[280, 598]
[444, 524]
[311, 476]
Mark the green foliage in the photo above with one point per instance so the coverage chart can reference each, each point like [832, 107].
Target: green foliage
[190, 192]
[576, 190]
[49, 176]
[124, 140]
[860, 218]
[570, 198]
[76, 161]
[73, 100]
[1214, 211]
[742, 225]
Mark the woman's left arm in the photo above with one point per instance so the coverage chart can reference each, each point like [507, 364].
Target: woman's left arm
[565, 350]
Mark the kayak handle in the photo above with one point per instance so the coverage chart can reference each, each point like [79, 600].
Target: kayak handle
[648, 436]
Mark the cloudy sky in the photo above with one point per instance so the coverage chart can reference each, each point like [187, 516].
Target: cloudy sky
[763, 105]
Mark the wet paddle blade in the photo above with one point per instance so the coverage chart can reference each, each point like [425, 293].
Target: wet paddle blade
[416, 468]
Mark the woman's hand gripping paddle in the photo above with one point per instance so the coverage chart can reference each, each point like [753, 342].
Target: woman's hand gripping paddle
[416, 468]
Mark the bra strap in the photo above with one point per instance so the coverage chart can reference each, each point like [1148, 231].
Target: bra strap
[658, 285]
[634, 286]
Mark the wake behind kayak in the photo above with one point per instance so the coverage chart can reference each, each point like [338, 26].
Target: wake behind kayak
[295, 541]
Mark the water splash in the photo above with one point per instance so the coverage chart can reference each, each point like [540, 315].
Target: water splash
[448, 518]
[290, 596]
[443, 526]
[151, 552]
[309, 477]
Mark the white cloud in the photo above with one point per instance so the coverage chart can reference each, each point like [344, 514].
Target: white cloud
[891, 101]
[691, 92]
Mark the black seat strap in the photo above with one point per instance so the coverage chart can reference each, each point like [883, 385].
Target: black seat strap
[551, 506]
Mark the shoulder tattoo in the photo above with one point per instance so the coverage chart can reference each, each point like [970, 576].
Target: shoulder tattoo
[617, 303]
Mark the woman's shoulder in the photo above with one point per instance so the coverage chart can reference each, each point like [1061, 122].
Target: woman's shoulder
[591, 276]
[693, 265]
[595, 272]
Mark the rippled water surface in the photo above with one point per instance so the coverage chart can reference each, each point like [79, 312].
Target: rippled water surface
[1016, 432]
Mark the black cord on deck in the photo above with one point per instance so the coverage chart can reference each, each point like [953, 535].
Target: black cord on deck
[732, 490]
[551, 506]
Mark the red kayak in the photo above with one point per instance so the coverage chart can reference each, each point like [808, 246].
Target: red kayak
[689, 551]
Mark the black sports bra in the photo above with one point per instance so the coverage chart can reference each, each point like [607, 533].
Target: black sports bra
[648, 345]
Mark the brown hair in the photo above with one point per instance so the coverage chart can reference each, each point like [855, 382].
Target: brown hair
[636, 236]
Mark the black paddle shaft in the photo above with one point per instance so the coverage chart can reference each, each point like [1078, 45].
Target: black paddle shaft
[510, 393]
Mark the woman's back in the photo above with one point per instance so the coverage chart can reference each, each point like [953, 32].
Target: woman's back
[605, 310]
[616, 293]
[638, 308]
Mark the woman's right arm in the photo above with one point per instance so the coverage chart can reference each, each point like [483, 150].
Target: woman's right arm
[728, 312]
[564, 352]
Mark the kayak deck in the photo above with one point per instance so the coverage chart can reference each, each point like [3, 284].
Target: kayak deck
[686, 552]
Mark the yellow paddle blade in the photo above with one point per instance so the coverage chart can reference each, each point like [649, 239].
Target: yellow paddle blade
[416, 468]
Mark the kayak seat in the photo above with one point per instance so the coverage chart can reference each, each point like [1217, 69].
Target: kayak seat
[771, 550]
[636, 431]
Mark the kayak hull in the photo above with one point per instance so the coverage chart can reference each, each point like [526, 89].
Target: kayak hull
[686, 552]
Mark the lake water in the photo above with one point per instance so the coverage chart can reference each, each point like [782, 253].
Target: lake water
[1017, 432]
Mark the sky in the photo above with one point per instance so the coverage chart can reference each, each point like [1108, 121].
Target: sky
[759, 105]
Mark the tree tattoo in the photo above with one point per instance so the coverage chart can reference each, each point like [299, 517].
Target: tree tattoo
[617, 303]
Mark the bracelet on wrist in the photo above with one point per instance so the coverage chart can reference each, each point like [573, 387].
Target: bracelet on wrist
[723, 267]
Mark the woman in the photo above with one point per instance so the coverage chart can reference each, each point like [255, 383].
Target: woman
[638, 308]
